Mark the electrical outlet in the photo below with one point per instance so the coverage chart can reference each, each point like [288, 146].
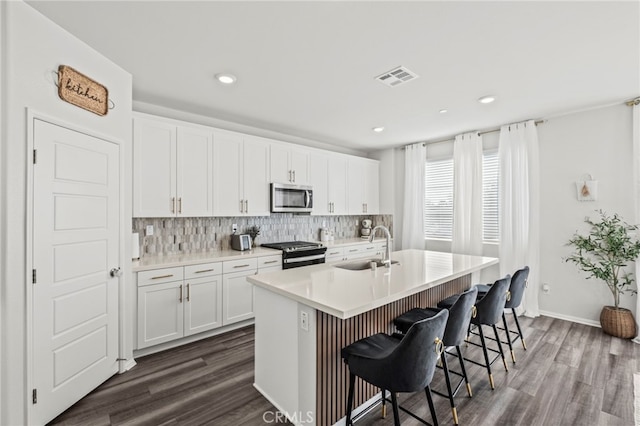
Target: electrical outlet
[149, 230]
[546, 288]
[234, 228]
[304, 321]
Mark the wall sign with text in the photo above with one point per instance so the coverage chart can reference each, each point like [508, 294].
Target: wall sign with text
[79, 90]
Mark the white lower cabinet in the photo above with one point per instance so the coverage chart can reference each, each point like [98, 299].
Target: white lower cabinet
[178, 302]
[238, 297]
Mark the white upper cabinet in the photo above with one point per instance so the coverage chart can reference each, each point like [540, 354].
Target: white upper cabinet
[241, 175]
[194, 172]
[363, 186]
[154, 168]
[172, 171]
[289, 164]
[328, 177]
[319, 180]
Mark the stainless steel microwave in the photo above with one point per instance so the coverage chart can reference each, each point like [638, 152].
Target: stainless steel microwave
[291, 198]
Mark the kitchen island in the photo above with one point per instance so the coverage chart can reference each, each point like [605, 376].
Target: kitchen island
[304, 316]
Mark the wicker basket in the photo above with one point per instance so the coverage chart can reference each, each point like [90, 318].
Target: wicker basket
[618, 322]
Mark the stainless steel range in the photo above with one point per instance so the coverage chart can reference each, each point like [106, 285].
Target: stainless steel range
[299, 253]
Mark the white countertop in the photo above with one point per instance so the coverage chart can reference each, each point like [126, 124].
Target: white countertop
[346, 293]
[169, 261]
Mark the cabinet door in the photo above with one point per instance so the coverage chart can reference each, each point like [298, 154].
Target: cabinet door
[160, 313]
[319, 180]
[279, 161]
[202, 304]
[256, 176]
[355, 186]
[237, 295]
[372, 187]
[227, 173]
[299, 164]
[337, 174]
[195, 173]
[154, 168]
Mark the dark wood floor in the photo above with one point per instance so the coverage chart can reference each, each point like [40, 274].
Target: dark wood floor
[571, 374]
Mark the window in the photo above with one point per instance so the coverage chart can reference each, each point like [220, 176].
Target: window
[438, 211]
[490, 182]
[438, 200]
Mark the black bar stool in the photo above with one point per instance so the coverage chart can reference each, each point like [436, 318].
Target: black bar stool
[460, 314]
[397, 364]
[516, 290]
[488, 312]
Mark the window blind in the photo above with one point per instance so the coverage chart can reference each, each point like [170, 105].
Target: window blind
[438, 209]
[490, 182]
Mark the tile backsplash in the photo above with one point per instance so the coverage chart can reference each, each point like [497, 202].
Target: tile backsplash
[198, 234]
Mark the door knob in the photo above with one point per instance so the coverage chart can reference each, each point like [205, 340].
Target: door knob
[115, 272]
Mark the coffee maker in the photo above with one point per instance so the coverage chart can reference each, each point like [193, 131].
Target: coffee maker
[365, 231]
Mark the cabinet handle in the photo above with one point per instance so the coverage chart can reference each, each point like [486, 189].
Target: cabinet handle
[173, 204]
[366, 207]
[246, 206]
[270, 261]
[162, 276]
[242, 266]
[204, 270]
[180, 298]
[290, 180]
[188, 292]
[370, 248]
[352, 250]
[180, 205]
[294, 176]
[241, 206]
[335, 252]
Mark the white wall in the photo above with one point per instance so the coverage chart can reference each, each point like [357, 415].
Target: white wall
[598, 142]
[33, 47]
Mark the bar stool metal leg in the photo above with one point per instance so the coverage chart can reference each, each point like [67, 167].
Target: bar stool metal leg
[445, 367]
[396, 415]
[515, 317]
[464, 371]
[504, 360]
[506, 330]
[352, 382]
[427, 390]
[384, 403]
[486, 356]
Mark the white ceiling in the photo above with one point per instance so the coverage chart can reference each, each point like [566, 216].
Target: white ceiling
[307, 68]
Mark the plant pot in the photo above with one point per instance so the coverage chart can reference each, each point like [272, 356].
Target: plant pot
[618, 322]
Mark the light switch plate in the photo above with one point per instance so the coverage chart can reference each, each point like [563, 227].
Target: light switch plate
[149, 230]
[304, 321]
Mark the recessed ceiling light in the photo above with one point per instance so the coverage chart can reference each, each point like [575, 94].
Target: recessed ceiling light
[226, 78]
[487, 99]
[378, 129]
[443, 111]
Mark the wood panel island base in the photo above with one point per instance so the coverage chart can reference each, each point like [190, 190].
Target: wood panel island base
[305, 316]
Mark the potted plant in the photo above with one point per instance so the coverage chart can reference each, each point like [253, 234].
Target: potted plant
[253, 232]
[603, 254]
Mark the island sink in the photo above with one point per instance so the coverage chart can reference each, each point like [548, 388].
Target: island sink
[362, 265]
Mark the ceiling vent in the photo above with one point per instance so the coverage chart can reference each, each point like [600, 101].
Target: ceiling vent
[396, 77]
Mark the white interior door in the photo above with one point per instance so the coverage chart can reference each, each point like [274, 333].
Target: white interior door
[75, 245]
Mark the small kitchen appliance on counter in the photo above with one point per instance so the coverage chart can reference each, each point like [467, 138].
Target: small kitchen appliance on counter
[241, 242]
[365, 231]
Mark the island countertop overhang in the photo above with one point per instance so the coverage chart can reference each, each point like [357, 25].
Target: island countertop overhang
[346, 293]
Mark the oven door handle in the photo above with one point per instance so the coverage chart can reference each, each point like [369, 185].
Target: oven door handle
[304, 258]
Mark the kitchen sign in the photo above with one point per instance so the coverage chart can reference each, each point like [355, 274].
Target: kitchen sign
[79, 90]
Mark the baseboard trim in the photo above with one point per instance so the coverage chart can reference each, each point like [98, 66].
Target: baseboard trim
[126, 366]
[578, 320]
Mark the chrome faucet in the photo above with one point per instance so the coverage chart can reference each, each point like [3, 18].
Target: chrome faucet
[386, 257]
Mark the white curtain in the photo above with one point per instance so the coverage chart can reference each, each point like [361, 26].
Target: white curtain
[413, 216]
[467, 194]
[519, 202]
[636, 177]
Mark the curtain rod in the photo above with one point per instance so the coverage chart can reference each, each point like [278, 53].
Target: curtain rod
[632, 102]
[480, 133]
